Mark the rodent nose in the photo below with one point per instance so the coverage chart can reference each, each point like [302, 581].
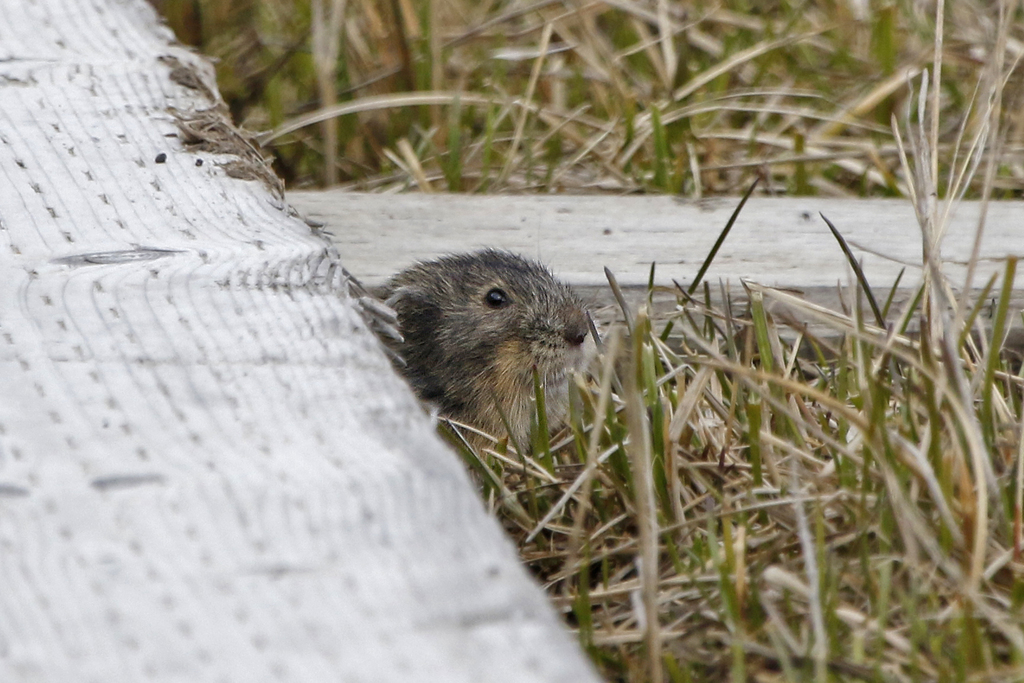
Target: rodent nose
[575, 335]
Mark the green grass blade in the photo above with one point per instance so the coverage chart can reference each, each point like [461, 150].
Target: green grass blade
[995, 352]
[865, 287]
[721, 238]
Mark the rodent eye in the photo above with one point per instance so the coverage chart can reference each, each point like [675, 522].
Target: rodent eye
[496, 298]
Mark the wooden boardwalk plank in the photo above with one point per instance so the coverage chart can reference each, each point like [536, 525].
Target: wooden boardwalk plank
[208, 470]
[776, 241]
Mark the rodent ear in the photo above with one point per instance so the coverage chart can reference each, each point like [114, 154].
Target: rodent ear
[403, 296]
[418, 313]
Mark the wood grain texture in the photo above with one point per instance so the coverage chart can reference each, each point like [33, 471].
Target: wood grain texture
[208, 470]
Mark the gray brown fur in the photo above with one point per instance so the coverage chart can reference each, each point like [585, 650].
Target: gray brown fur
[468, 354]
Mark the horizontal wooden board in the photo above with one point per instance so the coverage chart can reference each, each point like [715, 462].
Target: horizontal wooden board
[779, 241]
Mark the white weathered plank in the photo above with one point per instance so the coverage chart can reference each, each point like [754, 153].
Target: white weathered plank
[208, 470]
[776, 241]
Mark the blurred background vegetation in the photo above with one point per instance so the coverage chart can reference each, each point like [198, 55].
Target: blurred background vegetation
[694, 98]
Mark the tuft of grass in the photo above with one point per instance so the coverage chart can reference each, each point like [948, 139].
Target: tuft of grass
[746, 510]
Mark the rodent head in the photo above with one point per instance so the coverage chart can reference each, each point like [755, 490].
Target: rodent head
[476, 325]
